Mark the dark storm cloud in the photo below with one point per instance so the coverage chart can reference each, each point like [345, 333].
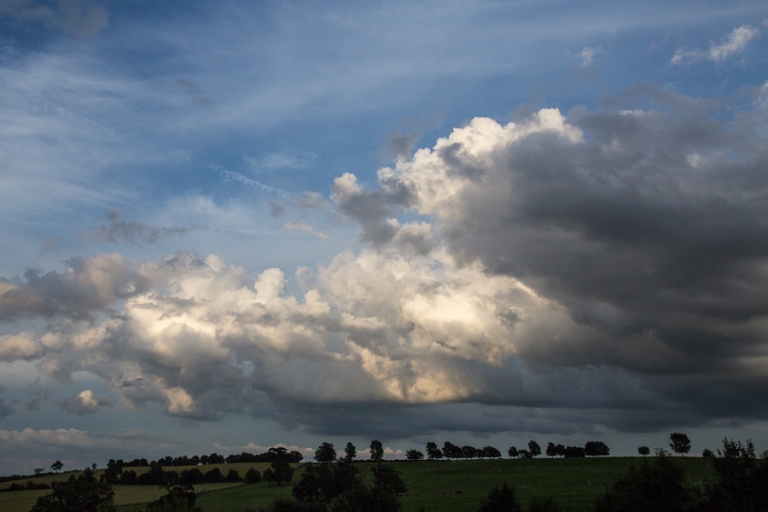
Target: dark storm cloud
[635, 239]
[5, 407]
[89, 286]
[133, 232]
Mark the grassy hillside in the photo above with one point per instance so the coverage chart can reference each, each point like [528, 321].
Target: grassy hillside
[444, 486]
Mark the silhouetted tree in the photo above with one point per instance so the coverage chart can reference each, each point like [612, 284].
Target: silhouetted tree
[742, 480]
[489, 452]
[469, 452]
[39, 470]
[341, 488]
[56, 466]
[414, 455]
[534, 448]
[252, 476]
[451, 451]
[387, 480]
[551, 450]
[350, 452]
[660, 487]
[596, 448]
[679, 443]
[278, 472]
[574, 451]
[643, 450]
[180, 498]
[191, 476]
[376, 450]
[81, 494]
[512, 452]
[433, 452]
[500, 499]
[325, 453]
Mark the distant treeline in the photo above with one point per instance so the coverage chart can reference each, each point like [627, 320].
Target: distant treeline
[452, 451]
[271, 455]
[116, 474]
[29, 486]
[160, 477]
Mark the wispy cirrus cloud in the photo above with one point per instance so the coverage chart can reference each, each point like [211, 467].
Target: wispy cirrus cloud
[133, 232]
[735, 43]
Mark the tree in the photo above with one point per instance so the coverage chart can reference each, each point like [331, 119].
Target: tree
[81, 494]
[377, 451]
[180, 498]
[350, 452]
[551, 450]
[742, 480]
[39, 470]
[643, 450]
[500, 499]
[278, 472]
[679, 443]
[451, 451]
[414, 455]
[574, 451]
[252, 476]
[489, 452]
[534, 448]
[433, 452]
[660, 487]
[469, 452]
[596, 448]
[56, 466]
[513, 452]
[325, 453]
[340, 488]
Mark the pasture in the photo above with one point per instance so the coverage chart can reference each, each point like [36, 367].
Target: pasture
[437, 486]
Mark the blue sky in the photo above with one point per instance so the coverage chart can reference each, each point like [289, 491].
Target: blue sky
[227, 225]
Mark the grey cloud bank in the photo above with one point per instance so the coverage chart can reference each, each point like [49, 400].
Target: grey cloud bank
[600, 270]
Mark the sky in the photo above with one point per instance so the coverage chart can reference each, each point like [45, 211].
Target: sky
[230, 225]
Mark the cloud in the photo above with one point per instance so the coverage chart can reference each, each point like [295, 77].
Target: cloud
[133, 232]
[60, 437]
[568, 273]
[5, 408]
[302, 226]
[284, 160]
[83, 18]
[735, 43]
[588, 55]
[22, 346]
[89, 287]
[84, 403]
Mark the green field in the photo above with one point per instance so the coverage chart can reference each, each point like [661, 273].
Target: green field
[438, 486]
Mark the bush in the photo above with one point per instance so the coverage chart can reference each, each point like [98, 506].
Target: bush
[252, 476]
[660, 487]
[501, 499]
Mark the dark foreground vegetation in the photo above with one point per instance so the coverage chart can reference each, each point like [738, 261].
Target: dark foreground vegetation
[733, 478]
